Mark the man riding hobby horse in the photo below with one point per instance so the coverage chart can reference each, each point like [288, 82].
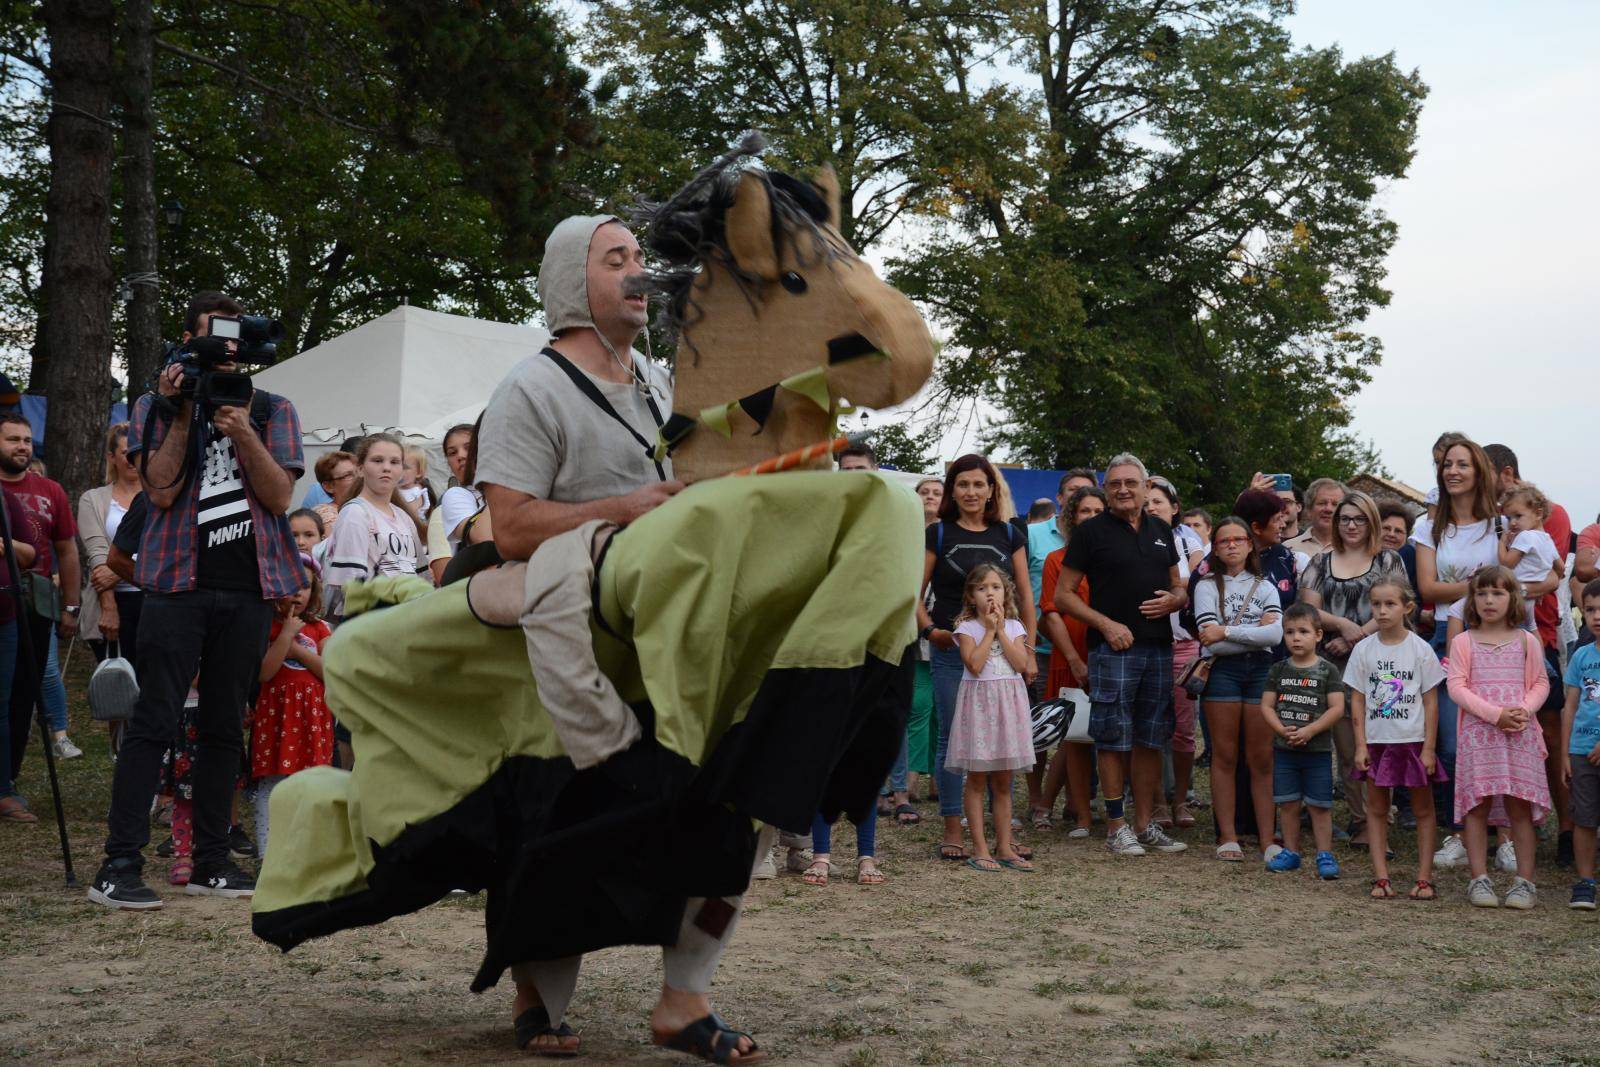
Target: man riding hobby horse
[745, 629]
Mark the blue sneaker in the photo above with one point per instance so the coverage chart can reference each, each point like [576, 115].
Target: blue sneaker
[1582, 895]
[1284, 861]
[1327, 866]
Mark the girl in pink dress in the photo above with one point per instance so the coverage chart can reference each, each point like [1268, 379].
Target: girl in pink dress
[991, 735]
[1497, 679]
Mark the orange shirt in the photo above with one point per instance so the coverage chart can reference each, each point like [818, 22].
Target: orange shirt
[1061, 676]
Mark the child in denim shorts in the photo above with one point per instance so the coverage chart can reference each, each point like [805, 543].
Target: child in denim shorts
[1303, 698]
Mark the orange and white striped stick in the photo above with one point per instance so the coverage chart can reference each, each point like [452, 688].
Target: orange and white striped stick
[800, 456]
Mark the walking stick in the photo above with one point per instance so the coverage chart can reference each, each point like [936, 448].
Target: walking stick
[26, 661]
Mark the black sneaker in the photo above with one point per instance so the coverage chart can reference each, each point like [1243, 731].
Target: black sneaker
[223, 880]
[239, 845]
[164, 850]
[1564, 849]
[122, 888]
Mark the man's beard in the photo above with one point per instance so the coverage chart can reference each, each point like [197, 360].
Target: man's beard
[10, 465]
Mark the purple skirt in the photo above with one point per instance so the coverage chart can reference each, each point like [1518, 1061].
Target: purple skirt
[1398, 765]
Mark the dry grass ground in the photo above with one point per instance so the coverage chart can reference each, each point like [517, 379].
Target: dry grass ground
[1161, 960]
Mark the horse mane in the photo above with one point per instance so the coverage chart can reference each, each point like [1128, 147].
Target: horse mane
[687, 233]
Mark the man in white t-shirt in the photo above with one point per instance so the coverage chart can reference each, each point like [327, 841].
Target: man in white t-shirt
[551, 459]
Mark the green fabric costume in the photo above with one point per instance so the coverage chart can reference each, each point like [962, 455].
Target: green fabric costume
[755, 624]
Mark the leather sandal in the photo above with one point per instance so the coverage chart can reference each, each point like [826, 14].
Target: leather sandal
[534, 1024]
[712, 1040]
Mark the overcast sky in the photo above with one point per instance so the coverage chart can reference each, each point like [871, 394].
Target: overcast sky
[1499, 248]
[1499, 240]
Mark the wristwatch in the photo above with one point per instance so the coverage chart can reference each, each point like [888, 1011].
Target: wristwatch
[72, 609]
[926, 632]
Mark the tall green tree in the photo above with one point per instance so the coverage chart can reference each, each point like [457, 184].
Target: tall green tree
[857, 85]
[1143, 224]
[1184, 266]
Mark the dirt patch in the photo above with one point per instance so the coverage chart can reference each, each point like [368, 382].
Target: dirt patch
[1159, 960]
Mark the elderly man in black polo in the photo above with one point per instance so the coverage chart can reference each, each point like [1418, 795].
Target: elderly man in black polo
[1131, 561]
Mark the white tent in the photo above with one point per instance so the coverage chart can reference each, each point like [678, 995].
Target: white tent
[411, 371]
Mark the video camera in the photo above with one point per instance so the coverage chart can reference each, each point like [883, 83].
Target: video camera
[255, 337]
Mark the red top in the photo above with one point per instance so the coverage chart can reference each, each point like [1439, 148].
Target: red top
[50, 514]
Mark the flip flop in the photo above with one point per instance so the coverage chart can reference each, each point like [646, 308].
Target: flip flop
[978, 865]
[906, 815]
[1230, 852]
[15, 809]
[535, 1023]
[1018, 864]
[712, 1040]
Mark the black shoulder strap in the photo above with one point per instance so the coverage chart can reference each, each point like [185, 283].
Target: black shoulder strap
[587, 387]
[261, 408]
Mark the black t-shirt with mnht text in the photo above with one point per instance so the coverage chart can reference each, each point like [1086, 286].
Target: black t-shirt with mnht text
[956, 552]
[226, 544]
[1125, 566]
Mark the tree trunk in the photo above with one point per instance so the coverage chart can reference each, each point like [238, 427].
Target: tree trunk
[77, 271]
[143, 344]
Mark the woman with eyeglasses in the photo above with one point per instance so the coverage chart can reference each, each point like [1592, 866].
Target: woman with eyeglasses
[1336, 582]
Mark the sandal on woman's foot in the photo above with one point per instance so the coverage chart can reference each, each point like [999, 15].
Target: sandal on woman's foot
[1018, 864]
[906, 815]
[1382, 890]
[534, 1024]
[987, 866]
[869, 875]
[1230, 852]
[1040, 818]
[817, 873]
[1423, 890]
[713, 1041]
[952, 853]
[15, 809]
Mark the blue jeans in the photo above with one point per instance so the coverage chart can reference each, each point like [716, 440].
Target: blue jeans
[8, 668]
[947, 668]
[898, 779]
[866, 836]
[1444, 793]
[52, 692]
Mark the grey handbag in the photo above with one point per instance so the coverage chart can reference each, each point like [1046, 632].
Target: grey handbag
[113, 688]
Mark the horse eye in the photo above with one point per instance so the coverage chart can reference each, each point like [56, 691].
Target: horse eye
[793, 282]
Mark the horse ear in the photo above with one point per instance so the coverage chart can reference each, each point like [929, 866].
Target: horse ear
[826, 182]
[749, 227]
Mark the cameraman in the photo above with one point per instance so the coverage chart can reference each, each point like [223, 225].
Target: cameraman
[216, 552]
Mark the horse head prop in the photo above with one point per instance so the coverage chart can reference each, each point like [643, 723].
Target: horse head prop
[780, 326]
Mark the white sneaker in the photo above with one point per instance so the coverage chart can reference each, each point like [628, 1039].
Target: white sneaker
[1077, 833]
[1522, 895]
[1480, 893]
[65, 749]
[1453, 853]
[1505, 857]
[1155, 838]
[766, 869]
[1270, 851]
[1124, 843]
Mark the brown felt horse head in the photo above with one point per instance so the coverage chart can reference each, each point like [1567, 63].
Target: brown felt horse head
[779, 323]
